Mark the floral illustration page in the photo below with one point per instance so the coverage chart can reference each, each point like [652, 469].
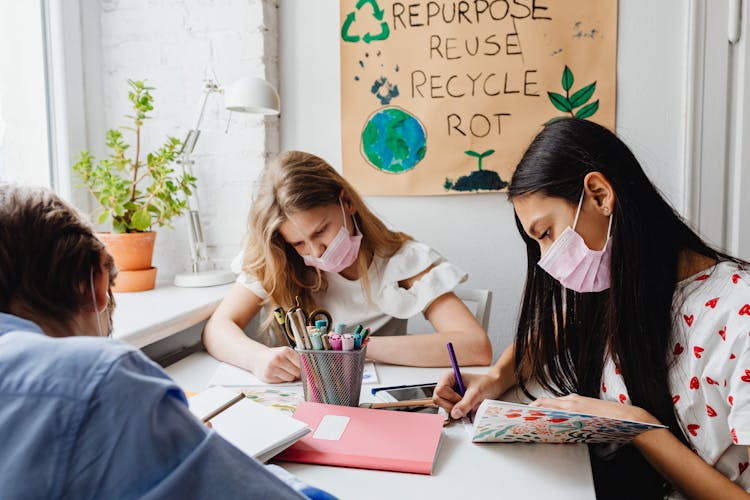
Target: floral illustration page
[500, 421]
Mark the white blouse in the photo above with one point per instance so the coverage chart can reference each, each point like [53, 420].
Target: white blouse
[390, 305]
[709, 376]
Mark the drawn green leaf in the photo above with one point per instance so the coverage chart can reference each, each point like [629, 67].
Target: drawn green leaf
[472, 153]
[567, 79]
[588, 110]
[561, 102]
[487, 153]
[583, 95]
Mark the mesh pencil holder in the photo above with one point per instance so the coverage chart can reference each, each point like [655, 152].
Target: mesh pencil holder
[332, 377]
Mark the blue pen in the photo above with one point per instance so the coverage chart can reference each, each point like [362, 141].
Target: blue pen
[457, 373]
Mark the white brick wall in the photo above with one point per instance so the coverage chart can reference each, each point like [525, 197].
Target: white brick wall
[174, 45]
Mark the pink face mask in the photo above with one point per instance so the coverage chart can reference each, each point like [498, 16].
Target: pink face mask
[341, 252]
[574, 264]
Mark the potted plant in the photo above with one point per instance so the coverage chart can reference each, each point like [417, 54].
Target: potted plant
[136, 193]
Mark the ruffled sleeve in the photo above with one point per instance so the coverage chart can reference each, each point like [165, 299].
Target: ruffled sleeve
[248, 281]
[412, 259]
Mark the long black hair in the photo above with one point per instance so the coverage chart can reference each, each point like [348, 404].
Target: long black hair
[563, 337]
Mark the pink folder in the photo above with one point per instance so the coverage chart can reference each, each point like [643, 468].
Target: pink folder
[366, 439]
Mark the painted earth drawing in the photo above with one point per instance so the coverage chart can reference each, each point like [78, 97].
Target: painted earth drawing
[393, 140]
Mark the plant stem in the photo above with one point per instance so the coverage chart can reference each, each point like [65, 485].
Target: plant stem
[137, 154]
[567, 96]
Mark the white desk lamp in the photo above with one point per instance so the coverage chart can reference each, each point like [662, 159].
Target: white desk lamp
[249, 95]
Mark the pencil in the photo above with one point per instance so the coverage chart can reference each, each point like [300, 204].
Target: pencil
[399, 404]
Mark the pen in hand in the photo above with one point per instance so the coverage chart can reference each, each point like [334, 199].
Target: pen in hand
[457, 374]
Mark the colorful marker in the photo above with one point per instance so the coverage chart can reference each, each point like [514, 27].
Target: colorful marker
[347, 342]
[335, 341]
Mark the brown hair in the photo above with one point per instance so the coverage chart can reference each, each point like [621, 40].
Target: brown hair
[294, 182]
[47, 253]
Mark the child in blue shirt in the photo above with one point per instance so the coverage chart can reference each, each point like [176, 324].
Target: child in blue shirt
[88, 417]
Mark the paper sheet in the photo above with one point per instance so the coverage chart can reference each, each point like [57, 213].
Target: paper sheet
[231, 376]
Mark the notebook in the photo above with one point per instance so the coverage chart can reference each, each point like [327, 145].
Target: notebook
[501, 421]
[361, 438]
[232, 376]
[258, 431]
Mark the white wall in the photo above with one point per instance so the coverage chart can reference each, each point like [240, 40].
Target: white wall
[477, 232]
[175, 45]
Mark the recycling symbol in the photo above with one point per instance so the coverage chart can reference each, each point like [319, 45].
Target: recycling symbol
[377, 13]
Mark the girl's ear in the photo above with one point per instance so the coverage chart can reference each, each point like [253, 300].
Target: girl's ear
[346, 201]
[598, 187]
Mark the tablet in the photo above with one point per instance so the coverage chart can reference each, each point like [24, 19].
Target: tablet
[405, 393]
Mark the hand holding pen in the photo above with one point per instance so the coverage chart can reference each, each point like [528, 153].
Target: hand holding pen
[477, 389]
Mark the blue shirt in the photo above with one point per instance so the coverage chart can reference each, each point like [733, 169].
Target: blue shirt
[85, 417]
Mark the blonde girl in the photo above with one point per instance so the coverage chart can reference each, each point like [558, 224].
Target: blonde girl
[311, 235]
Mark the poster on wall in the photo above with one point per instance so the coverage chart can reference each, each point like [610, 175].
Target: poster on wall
[443, 97]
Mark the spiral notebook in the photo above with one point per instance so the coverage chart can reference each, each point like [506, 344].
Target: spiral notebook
[501, 421]
[257, 430]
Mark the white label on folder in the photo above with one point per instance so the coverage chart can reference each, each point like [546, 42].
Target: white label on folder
[331, 427]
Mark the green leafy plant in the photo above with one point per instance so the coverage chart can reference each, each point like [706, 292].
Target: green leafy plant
[136, 192]
[568, 103]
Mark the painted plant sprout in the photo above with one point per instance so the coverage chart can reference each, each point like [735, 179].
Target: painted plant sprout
[478, 180]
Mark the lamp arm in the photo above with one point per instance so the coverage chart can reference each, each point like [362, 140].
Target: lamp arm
[198, 251]
[188, 145]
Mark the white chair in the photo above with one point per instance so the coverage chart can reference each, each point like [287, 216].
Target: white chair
[479, 302]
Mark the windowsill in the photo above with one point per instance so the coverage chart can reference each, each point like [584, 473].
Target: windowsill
[142, 318]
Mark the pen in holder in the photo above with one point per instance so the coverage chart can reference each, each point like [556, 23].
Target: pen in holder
[332, 377]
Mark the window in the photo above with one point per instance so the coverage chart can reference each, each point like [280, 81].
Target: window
[24, 123]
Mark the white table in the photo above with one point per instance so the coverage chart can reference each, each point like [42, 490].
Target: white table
[463, 469]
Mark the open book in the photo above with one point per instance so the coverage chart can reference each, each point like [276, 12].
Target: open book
[500, 421]
[258, 431]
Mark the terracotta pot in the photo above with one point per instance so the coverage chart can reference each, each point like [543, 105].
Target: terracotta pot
[132, 253]
[135, 281]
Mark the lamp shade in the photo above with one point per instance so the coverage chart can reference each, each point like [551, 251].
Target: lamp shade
[252, 95]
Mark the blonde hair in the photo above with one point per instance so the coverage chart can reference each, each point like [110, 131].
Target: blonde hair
[47, 253]
[294, 182]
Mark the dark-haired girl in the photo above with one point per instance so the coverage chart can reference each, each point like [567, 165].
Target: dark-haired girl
[626, 313]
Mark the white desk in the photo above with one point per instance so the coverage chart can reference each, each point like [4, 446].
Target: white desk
[463, 469]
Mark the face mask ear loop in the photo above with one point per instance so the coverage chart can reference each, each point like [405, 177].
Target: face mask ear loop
[609, 227]
[356, 227]
[93, 298]
[343, 213]
[578, 212]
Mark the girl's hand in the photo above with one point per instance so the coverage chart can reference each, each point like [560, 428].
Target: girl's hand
[478, 388]
[274, 365]
[592, 406]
